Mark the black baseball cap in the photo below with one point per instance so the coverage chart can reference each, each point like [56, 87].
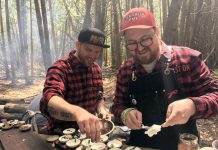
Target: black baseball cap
[92, 36]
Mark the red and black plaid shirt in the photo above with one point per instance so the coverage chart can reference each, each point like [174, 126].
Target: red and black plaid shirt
[75, 83]
[191, 73]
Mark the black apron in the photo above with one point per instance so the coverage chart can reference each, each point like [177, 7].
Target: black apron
[148, 94]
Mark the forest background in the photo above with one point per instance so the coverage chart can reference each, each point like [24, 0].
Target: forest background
[36, 33]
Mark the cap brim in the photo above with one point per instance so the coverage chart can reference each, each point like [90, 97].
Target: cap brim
[135, 27]
[103, 46]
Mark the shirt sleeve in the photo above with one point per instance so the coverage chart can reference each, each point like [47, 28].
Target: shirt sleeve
[205, 86]
[120, 101]
[54, 85]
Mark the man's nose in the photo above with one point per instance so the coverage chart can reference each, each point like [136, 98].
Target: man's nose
[140, 47]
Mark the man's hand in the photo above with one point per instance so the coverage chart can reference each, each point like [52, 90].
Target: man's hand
[89, 124]
[104, 114]
[134, 119]
[102, 111]
[179, 112]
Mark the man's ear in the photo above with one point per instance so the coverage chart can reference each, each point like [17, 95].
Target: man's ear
[78, 44]
[157, 32]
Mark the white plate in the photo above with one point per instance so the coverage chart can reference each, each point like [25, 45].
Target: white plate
[114, 144]
[98, 146]
[73, 143]
[69, 131]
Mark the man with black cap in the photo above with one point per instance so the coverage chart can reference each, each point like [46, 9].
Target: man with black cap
[164, 85]
[73, 87]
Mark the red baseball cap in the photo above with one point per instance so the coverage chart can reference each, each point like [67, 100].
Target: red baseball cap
[137, 18]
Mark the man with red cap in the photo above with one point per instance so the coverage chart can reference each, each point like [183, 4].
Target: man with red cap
[72, 93]
[165, 85]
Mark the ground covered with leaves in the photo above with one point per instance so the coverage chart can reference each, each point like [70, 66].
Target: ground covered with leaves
[208, 127]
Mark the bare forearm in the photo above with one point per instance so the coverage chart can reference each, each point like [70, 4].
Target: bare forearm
[59, 109]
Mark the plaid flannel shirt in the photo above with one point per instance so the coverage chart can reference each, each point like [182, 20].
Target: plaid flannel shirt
[191, 73]
[75, 83]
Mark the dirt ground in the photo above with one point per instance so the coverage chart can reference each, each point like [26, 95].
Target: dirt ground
[208, 127]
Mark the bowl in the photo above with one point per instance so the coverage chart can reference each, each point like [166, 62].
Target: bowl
[215, 144]
[106, 127]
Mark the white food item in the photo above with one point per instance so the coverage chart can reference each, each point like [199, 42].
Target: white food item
[25, 127]
[133, 148]
[83, 148]
[69, 131]
[65, 138]
[98, 146]
[115, 148]
[1, 125]
[103, 138]
[82, 136]
[52, 138]
[114, 143]
[87, 142]
[73, 143]
[206, 148]
[153, 130]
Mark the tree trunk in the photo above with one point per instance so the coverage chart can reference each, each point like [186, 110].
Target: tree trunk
[151, 6]
[47, 61]
[64, 38]
[23, 39]
[11, 116]
[46, 32]
[5, 61]
[52, 29]
[113, 51]
[10, 45]
[15, 108]
[100, 11]
[133, 4]
[170, 34]
[164, 12]
[87, 18]
[116, 38]
[31, 41]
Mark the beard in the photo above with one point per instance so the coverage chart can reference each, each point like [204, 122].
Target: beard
[146, 55]
[85, 60]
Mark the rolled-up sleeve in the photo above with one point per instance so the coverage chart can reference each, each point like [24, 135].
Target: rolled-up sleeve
[206, 87]
[54, 85]
[120, 101]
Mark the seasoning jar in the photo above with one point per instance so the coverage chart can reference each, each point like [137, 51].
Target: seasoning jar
[188, 141]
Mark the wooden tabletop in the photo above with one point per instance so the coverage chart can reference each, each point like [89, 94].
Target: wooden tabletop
[14, 139]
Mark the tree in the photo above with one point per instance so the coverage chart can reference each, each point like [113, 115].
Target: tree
[52, 29]
[43, 33]
[100, 13]
[10, 45]
[23, 40]
[170, 34]
[5, 61]
[87, 18]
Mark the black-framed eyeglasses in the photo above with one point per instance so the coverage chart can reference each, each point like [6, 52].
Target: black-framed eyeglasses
[144, 42]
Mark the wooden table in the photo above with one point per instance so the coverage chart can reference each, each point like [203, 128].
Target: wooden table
[14, 139]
